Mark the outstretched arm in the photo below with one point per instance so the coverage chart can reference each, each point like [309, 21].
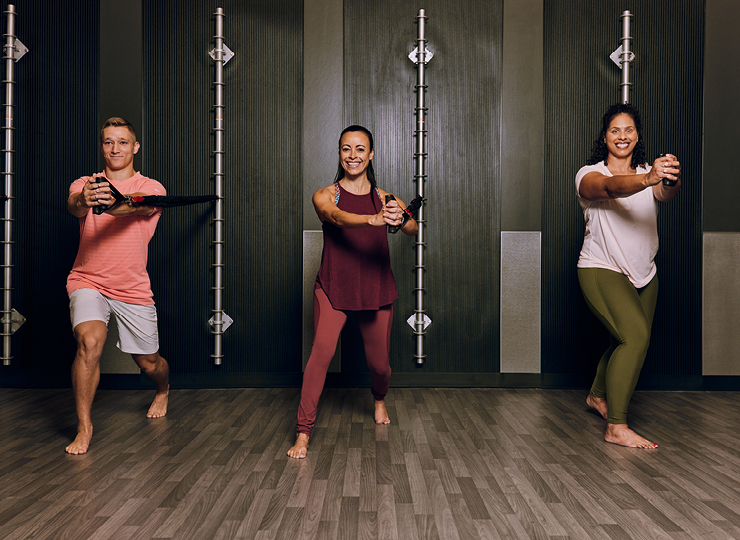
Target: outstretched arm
[323, 203]
[600, 187]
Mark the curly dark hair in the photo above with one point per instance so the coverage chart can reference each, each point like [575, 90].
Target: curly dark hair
[370, 172]
[599, 151]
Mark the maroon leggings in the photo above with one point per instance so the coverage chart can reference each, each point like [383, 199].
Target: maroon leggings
[375, 327]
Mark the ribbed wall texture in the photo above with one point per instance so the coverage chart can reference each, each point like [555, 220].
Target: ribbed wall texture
[262, 120]
[56, 141]
[463, 186]
[580, 83]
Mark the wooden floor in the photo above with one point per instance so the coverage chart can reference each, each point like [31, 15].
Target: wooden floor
[454, 463]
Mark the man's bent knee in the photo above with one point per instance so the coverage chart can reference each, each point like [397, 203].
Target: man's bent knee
[90, 336]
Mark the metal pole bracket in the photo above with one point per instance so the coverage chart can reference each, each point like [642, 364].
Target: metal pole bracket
[414, 55]
[226, 321]
[618, 57]
[16, 320]
[18, 50]
[412, 321]
[228, 54]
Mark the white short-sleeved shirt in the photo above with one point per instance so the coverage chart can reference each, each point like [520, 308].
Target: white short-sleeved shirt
[621, 234]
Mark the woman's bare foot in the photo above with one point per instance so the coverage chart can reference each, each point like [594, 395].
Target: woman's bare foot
[597, 403]
[81, 442]
[381, 413]
[300, 448]
[159, 406]
[622, 435]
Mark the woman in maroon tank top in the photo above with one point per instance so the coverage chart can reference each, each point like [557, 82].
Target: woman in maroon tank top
[355, 275]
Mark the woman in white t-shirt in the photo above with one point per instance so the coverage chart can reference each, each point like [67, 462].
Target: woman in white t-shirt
[619, 193]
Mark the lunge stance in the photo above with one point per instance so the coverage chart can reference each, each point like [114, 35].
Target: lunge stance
[355, 275]
[109, 275]
[619, 193]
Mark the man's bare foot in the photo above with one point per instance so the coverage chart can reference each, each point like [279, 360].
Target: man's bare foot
[300, 448]
[159, 405]
[622, 435]
[81, 443]
[597, 403]
[381, 413]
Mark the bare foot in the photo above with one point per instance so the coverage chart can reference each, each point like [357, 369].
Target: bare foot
[81, 442]
[381, 413]
[597, 403]
[622, 435]
[159, 405]
[300, 448]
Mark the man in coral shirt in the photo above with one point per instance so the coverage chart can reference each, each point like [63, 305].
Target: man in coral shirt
[109, 275]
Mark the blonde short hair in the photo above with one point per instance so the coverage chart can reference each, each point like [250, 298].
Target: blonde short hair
[117, 122]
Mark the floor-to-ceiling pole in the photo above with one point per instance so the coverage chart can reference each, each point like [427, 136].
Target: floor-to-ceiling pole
[9, 81]
[217, 321]
[420, 155]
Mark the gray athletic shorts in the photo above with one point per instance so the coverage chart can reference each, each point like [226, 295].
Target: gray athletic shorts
[137, 325]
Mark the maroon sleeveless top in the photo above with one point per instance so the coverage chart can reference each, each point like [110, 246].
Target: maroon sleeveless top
[355, 270]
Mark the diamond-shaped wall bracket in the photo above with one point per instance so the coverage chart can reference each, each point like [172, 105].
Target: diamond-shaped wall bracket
[412, 321]
[616, 57]
[226, 321]
[19, 49]
[228, 54]
[16, 320]
[414, 55]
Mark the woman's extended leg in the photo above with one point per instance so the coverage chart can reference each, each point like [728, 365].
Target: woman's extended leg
[628, 316]
[375, 327]
[328, 323]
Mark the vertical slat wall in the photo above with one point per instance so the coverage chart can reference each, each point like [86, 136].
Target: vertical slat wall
[56, 141]
[580, 83]
[463, 186]
[263, 206]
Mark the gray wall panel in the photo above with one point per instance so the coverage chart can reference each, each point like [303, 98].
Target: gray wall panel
[521, 281]
[323, 65]
[721, 344]
[721, 115]
[463, 185]
[522, 116]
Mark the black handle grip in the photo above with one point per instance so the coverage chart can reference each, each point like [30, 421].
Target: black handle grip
[666, 181]
[393, 229]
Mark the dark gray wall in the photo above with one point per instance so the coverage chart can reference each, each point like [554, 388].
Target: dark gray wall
[580, 83]
[263, 190]
[463, 186]
[59, 100]
[55, 141]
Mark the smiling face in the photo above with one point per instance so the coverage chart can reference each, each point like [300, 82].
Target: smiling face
[118, 145]
[355, 153]
[621, 136]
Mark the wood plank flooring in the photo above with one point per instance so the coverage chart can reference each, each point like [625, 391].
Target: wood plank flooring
[453, 464]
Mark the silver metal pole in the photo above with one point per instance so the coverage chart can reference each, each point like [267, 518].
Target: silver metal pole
[627, 57]
[420, 156]
[9, 81]
[217, 321]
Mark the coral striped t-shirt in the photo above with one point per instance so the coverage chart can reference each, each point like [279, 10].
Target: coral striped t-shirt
[113, 250]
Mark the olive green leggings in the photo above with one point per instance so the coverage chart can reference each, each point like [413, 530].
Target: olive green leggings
[627, 313]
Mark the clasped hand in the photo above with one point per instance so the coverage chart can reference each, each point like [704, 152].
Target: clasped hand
[665, 167]
[390, 214]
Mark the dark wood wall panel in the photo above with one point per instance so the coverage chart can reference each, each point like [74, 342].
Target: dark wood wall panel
[262, 118]
[56, 141]
[463, 231]
[580, 83]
